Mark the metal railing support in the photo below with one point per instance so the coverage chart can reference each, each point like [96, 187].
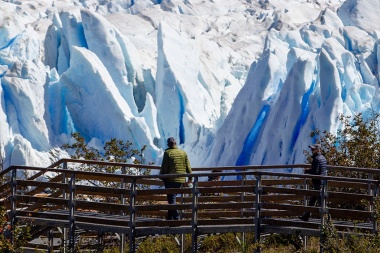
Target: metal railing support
[374, 201]
[100, 240]
[323, 209]
[194, 218]
[13, 202]
[242, 198]
[123, 202]
[257, 212]
[50, 241]
[370, 192]
[180, 217]
[132, 217]
[64, 196]
[305, 203]
[72, 213]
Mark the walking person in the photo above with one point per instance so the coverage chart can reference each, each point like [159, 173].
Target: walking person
[175, 161]
[318, 167]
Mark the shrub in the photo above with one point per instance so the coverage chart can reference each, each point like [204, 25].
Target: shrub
[356, 144]
[19, 234]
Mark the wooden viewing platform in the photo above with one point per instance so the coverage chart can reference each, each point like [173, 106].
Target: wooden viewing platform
[71, 208]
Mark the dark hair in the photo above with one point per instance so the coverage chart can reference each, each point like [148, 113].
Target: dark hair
[171, 142]
[212, 177]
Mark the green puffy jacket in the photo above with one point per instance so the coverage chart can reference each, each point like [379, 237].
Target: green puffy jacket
[175, 161]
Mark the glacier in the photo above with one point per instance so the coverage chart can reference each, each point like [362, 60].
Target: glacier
[239, 82]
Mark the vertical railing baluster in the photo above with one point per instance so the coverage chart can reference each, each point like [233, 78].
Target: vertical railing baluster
[51, 241]
[122, 212]
[305, 202]
[194, 219]
[72, 213]
[374, 216]
[257, 212]
[13, 201]
[323, 201]
[306, 187]
[64, 207]
[370, 192]
[100, 241]
[242, 198]
[181, 217]
[132, 217]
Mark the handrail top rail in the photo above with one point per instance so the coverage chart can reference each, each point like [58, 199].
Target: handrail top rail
[274, 166]
[146, 166]
[239, 170]
[150, 166]
[236, 173]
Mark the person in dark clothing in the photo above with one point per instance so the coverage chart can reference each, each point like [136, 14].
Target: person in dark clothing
[175, 161]
[213, 178]
[318, 167]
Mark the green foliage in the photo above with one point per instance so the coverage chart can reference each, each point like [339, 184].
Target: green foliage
[329, 238]
[220, 243]
[293, 242]
[356, 242]
[164, 244]
[80, 150]
[20, 234]
[114, 150]
[356, 144]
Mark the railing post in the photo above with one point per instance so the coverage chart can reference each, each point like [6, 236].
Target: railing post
[375, 211]
[306, 187]
[100, 242]
[305, 203]
[180, 217]
[122, 212]
[64, 196]
[194, 219]
[242, 210]
[323, 197]
[50, 241]
[370, 192]
[257, 212]
[132, 218]
[72, 214]
[13, 201]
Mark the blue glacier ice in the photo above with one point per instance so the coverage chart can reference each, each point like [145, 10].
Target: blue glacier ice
[235, 82]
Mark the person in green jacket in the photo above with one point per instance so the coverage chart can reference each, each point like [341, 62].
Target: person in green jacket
[175, 161]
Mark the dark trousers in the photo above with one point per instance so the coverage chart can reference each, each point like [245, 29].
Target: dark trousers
[313, 200]
[172, 214]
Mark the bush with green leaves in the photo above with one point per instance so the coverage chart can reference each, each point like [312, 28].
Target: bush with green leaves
[113, 150]
[356, 144]
[19, 234]
[355, 242]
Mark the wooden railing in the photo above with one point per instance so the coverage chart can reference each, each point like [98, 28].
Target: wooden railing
[262, 200]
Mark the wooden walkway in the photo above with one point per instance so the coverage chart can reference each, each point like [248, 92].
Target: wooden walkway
[74, 203]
